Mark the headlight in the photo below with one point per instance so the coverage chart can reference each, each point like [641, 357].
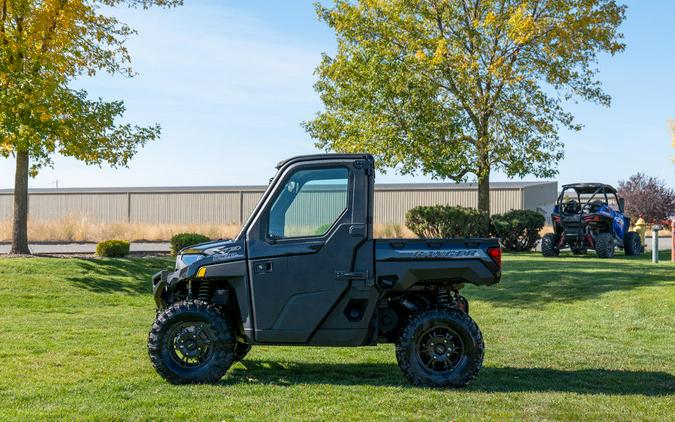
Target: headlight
[186, 259]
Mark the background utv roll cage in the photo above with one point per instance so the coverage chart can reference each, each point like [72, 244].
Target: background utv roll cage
[586, 188]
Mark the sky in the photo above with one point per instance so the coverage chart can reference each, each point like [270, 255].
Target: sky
[230, 82]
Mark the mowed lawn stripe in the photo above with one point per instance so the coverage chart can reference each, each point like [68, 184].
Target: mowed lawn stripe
[570, 338]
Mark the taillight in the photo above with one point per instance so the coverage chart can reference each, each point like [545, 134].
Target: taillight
[496, 255]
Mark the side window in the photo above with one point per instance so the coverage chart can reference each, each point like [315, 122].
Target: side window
[310, 203]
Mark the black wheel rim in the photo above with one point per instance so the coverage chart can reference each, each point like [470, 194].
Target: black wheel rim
[191, 344]
[440, 349]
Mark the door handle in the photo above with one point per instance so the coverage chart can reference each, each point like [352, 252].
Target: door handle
[262, 267]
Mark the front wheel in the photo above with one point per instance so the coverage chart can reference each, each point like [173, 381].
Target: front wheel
[191, 342]
[440, 348]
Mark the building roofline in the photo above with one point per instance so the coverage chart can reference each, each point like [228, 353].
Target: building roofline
[261, 188]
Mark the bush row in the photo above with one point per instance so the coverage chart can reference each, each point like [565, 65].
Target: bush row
[120, 248]
[518, 230]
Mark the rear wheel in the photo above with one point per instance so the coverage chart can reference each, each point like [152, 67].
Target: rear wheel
[440, 348]
[604, 245]
[549, 245]
[191, 342]
[633, 244]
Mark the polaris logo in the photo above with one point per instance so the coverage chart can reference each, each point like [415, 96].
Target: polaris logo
[231, 250]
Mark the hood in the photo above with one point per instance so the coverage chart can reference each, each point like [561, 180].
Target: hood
[211, 252]
[215, 246]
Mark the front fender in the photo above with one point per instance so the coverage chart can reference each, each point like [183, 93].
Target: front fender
[233, 274]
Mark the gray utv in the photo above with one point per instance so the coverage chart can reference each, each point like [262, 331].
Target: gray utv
[306, 270]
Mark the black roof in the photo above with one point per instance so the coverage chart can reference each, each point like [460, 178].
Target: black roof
[313, 157]
[589, 187]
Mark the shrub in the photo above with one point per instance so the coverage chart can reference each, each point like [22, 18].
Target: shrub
[518, 230]
[447, 221]
[113, 248]
[181, 240]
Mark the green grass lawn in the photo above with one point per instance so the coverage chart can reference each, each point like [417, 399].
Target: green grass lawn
[572, 338]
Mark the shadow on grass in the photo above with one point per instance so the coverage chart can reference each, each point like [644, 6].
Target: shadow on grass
[109, 275]
[533, 280]
[583, 381]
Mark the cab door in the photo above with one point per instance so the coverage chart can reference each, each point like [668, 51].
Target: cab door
[302, 242]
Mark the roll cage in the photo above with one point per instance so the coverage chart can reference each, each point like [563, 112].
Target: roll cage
[572, 206]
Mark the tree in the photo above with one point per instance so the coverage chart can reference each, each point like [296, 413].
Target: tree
[44, 46]
[459, 87]
[647, 197]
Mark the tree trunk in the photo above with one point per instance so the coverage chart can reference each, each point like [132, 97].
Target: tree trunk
[483, 168]
[20, 228]
[484, 192]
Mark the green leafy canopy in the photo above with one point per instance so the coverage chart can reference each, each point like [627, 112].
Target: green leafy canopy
[458, 87]
[44, 46]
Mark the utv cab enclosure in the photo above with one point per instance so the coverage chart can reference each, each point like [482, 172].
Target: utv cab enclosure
[306, 270]
[590, 216]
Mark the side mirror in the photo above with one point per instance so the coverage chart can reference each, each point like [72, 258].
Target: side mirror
[622, 202]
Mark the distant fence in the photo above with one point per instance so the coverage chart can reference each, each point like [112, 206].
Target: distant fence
[233, 204]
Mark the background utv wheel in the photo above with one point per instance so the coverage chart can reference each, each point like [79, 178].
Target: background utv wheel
[604, 245]
[440, 348]
[191, 342]
[633, 244]
[549, 245]
[579, 251]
